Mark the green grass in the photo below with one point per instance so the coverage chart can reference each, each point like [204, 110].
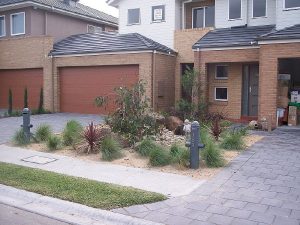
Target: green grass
[43, 132]
[19, 138]
[87, 192]
[110, 149]
[233, 141]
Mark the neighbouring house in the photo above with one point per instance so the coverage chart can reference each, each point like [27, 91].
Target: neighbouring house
[28, 31]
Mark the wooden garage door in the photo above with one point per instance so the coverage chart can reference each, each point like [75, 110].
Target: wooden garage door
[79, 86]
[17, 81]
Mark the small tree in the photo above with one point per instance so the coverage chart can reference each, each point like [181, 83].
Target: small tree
[10, 102]
[41, 102]
[25, 98]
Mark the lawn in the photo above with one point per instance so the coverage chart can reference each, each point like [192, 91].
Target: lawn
[87, 192]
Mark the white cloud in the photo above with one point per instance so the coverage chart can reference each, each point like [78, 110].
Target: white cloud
[101, 5]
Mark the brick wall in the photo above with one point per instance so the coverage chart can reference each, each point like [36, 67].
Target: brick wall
[164, 81]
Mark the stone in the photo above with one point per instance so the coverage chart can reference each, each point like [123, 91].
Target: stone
[172, 122]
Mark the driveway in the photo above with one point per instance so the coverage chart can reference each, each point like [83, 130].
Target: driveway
[57, 121]
[260, 187]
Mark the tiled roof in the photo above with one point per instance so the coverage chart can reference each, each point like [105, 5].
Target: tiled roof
[79, 9]
[232, 37]
[292, 32]
[106, 42]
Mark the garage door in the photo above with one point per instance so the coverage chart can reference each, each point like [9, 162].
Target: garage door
[79, 86]
[17, 81]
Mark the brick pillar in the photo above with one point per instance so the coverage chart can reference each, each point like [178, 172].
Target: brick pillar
[48, 75]
[268, 70]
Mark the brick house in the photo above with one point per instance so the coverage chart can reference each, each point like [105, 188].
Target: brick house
[28, 31]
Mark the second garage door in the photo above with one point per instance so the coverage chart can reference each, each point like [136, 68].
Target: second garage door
[79, 86]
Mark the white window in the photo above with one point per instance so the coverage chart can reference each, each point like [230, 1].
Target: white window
[2, 26]
[204, 17]
[158, 13]
[134, 16]
[221, 94]
[221, 72]
[235, 9]
[259, 8]
[290, 4]
[94, 29]
[17, 23]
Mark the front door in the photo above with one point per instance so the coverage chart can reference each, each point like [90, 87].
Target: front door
[250, 90]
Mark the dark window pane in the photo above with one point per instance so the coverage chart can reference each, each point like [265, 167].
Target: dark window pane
[158, 13]
[292, 3]
[221, 93]
[259, 8]
[235, 9]
[210, 16]
[18, 23]
[221, 72]
[133, 16]
[198, 18]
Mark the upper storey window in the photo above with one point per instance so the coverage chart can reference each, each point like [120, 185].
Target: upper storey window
[290, 4]
[2, 26]
[17, 22]
[134, 16]
[158, 13]
[204, 17]
[235, 9]
[259, 8]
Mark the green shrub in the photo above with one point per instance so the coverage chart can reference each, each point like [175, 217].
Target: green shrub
[145, 147]
[26, 98]
[43, 132]
[10, 102]
[244, 131]
[20, 138]
[110, 149]
[159, 156]
[72, 133]
[212, 155]
[54, 142]
[234, 141]
[41, 102]
[180, 155]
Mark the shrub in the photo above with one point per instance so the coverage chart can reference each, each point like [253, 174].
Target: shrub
[10, 102]
[92, 137]
[234, 141]
[212, 155]
[159, 156]
[26, 98]
[215, 128]
[20, 138]
[53, 142]
[72, 133]
[110, 149]
[43, 132]
[41, 102]
[145, 147]
[180, 155]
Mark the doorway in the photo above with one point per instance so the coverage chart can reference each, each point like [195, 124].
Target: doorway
[250, 90]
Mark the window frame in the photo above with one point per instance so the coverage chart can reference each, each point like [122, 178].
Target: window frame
[287, 9]
[90, 25]
[266, 11]
[221, 100]
[164, 14]
[138, 23]
[204, 17]
[4, 20]
[11, 24]
[221, 78]
[229, 11]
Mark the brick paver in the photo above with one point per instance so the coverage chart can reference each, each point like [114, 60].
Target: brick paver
[261, 186]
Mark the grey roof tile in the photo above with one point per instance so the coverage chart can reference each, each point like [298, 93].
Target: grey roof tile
[292, 32]
[232, 37]
[60, 4]
[106, 42]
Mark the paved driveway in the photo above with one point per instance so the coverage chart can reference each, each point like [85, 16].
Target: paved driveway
[260, 187]
[57, 121]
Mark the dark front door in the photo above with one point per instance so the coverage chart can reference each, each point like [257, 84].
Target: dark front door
[250, 90]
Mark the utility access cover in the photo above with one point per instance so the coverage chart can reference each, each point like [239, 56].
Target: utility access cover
[39, 160]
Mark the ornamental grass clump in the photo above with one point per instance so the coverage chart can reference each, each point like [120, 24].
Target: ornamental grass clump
[92, 136]
[233, 141]
[180, 155]
[19, 138]
[159, 156]
[212, 155]
[43, 132]
[54, 143]
[145, 147]
[110, 149]
[72, 133]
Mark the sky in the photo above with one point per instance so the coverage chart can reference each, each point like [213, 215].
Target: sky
[101, 5]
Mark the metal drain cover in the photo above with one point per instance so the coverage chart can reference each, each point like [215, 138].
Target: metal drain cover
[39, 159]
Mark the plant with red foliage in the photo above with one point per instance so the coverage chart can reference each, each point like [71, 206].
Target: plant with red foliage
[92, 137]
[216, 128]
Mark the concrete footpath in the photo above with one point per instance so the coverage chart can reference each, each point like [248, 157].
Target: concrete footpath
[63, 211]
[171, 185]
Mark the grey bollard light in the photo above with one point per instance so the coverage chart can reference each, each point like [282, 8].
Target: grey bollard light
[195, 144]
[26, 123]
